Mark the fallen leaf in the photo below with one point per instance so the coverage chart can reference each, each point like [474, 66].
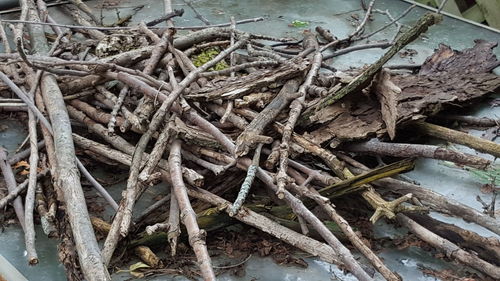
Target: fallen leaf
[298, 23]
[22, 164]
[138, 265]
[24, 172]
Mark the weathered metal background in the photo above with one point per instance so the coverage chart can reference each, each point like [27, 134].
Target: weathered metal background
[332, 14]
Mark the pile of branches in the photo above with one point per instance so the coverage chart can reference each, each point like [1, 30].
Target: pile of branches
[193, 109]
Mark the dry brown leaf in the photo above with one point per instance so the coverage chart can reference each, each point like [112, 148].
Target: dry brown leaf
[22, 164]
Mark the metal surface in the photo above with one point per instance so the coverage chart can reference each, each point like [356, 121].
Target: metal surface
[335, 15]
[453, 16]
[8, 272]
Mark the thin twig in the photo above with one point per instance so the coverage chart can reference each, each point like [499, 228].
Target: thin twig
[361, 26]
[46, 17]
[247, 183]
[10, 182]
[234, 265]
[232, 62]
[152, 208]
[167, 17]
[198, 15]
[295, 110]
[394, 20]
[23, 96]
[84, 27]
[18, 190]
[118, 104]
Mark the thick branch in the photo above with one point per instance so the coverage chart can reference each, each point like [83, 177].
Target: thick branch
[406, 150]
[68, 176]
[450, 249]
[459, 137]
[196, 236]
[252, 134]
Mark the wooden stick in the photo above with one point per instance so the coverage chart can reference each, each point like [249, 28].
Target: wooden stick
[198, 15]
[487, 248]
[68, 177]
[363, 23]
[450, 135]
[441, 203]
[152, 208]
[167, 17]
[471, 120]
[405, 150]
[13, 159]
[295, 110]
[436, 201]
[92, 32]
[86, 9]
[329, 208]
[154, 228]
[252, 134]
[196, 236]
[10, 182]
[47, 214]
[394, 20]
[18, 190]
[174, 230]
[156, 154]
[247, 182]
[247, 216]
[449, 248]
[216, 169]
[116, 107]
[46, 17]
[29, 235]
[382, 45]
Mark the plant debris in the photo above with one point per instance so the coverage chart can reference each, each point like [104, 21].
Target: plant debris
[220, 115]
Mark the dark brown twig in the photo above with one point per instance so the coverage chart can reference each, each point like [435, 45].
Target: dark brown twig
[175, 13]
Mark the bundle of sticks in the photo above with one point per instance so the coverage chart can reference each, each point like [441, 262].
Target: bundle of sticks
[192, 109]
